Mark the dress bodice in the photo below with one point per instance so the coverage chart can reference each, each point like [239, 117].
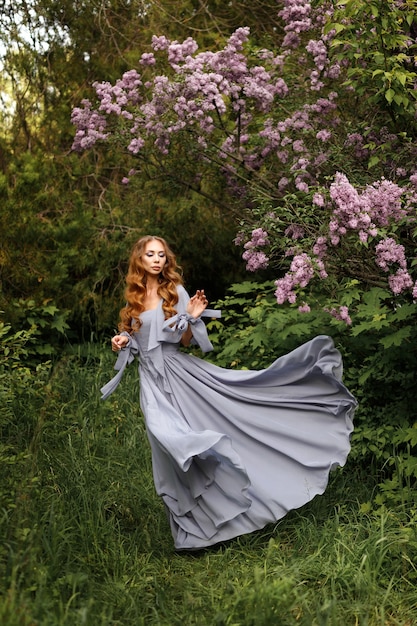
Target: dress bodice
[142, 336]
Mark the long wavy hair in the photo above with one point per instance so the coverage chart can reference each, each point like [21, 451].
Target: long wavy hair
[135, 291]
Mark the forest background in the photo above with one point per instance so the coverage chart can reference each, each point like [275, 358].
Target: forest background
[280, 131]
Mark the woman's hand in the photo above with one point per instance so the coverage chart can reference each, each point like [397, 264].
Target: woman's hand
[118, 342]
[197, 304]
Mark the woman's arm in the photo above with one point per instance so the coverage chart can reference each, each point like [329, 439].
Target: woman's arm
[195, 307]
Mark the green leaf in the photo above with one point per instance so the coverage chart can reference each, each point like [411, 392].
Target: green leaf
[375, 296]
[374, 160]
[366, 327]
[59, 324]
[399, 99]
[413, 438]
[401, 77]
[410, 18]
[405, 312]
[248, 287]
[397, 338]
[363, 376]
[299, 330]
[335, 26]
[389, 95]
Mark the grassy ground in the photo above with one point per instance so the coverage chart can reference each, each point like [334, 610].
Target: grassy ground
[85, 539]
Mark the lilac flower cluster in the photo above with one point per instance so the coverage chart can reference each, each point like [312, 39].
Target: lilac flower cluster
[350, 211]
[387, 253]
[297, 17]
[377, 206]
[318, 50]
[341, 313]
[363, 212]
[282, 140]
[91, 126]
[384, 199]
[300, 273]
[400, 281]
[256, 259]
[115, 100]
[320, 248]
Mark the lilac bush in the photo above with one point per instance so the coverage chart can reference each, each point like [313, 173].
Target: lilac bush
[352, 241]
[280, 132]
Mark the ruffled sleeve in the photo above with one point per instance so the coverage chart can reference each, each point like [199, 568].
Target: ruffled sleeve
[178, 323]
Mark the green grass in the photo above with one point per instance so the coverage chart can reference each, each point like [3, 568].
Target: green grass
[85, 540]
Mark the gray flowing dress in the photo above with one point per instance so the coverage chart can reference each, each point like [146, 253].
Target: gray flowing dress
[232, 450]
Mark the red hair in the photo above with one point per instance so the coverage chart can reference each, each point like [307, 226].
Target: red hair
[136, 285]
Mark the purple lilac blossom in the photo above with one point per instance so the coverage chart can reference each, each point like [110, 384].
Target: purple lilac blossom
[341, 314]
[320, 247]
[260, 237]
[324, 135]
[300, 273]
[297, 17]
[147, 59]
[350, 211]
[285, 290]
[255, 260]
[318, 200]
[388, 252]
[400, 281]
[90, 126]
[295, 231]
[384, 201]
[301, 185]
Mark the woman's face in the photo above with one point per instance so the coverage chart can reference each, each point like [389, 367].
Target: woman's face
[153, 257]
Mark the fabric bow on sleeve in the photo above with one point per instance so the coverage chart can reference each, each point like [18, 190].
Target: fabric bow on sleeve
[179, 323]
[125, 357]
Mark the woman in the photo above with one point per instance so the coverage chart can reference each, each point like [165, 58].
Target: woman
[231, 450]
